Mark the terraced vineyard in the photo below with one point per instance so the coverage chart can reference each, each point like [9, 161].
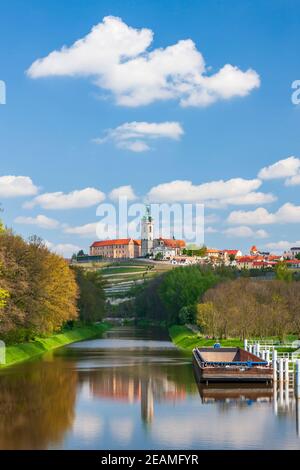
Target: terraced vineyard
[122, 277]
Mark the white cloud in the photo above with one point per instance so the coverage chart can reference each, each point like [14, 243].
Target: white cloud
[74, 200]
[210, 230]
[40, 221]
[14, 186]
[287, 168]
[282, 245]
[245, 232]
[252, 198]
[288, 213]
[215, 194]
[122, 191]
[135, 136]
[63, 249]
[118, 59]
[293, 180]
[87, 230]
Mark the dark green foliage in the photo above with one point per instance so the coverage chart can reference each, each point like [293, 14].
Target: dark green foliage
[173, 296]
[91, 301]
[183, 287]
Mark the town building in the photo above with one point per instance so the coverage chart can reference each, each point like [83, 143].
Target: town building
[167, 248]
[292, 253]
[295, 250]
[120, 248]
[147, 233]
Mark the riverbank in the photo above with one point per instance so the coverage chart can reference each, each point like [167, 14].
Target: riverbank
[24, 351]
[186, 339]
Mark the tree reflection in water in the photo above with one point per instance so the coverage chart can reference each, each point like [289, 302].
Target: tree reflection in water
[36, 405]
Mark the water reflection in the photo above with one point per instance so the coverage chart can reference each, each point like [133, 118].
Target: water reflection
[134, 390]
[36, 406]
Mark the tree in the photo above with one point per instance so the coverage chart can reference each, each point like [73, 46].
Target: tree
[183, 286]
[283, 273]
[91, 301]
[297, 256]
[187, 314]
[41, 288]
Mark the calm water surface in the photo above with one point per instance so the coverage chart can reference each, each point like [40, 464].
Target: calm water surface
[134, 390]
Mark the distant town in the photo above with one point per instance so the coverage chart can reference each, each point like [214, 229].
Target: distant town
[177, 252]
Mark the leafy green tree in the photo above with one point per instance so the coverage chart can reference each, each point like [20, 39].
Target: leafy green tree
[91, 301]
[283, 273]
[187, 314]
[41, 288]
[183, 286]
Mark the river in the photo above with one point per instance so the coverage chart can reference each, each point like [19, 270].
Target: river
[132, 389]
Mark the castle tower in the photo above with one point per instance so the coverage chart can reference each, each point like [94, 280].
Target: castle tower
[147, 228]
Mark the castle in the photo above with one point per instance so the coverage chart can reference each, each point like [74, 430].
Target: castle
[148, 246]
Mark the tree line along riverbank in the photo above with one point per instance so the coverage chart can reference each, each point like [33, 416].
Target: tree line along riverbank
[44, 302]
[224, 304]
[25, 351]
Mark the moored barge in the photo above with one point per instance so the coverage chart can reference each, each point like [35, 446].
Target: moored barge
[217, 364]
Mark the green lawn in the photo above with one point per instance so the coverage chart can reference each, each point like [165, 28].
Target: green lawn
[24, 351]
[184, 338]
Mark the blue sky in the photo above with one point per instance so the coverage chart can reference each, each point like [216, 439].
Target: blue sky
[225, 123]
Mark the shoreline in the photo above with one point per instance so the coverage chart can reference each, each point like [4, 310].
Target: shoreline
[185, 339]
[25, 351]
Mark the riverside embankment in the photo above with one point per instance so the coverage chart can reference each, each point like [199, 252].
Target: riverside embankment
[24, 351]
[184, 338]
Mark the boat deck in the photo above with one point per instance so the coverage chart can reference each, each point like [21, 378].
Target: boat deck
[230, 365]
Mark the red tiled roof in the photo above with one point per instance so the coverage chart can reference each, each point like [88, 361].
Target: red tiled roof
[264, 263]
[173, 243]
[247, 259]
[119, 241]
[231, 252]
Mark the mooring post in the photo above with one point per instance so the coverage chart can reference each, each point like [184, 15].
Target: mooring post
[274, 361]
[287, 395]
[268, 355]
[257, 349]
[250, 348]
[245, 344]
[286, 370]
[281, 370]
[264, 355]
[297, 382]
[275, 399]
[281, 402]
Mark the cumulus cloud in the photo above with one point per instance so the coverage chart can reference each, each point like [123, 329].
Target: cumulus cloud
[282, 245]
[14, 186]
[117, 58]
[245, 232]
[86, 230]
[63, 249]
[215, 194]
[288, 168]
[136, 136]
[288, 213]
[122, 191]
[74, 200]
[210, 230]
[40, 221]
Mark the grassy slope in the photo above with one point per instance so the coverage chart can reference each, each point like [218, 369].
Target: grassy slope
[184, 338]
[24, 351]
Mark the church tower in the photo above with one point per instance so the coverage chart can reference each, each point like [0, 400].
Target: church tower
[147, 227]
